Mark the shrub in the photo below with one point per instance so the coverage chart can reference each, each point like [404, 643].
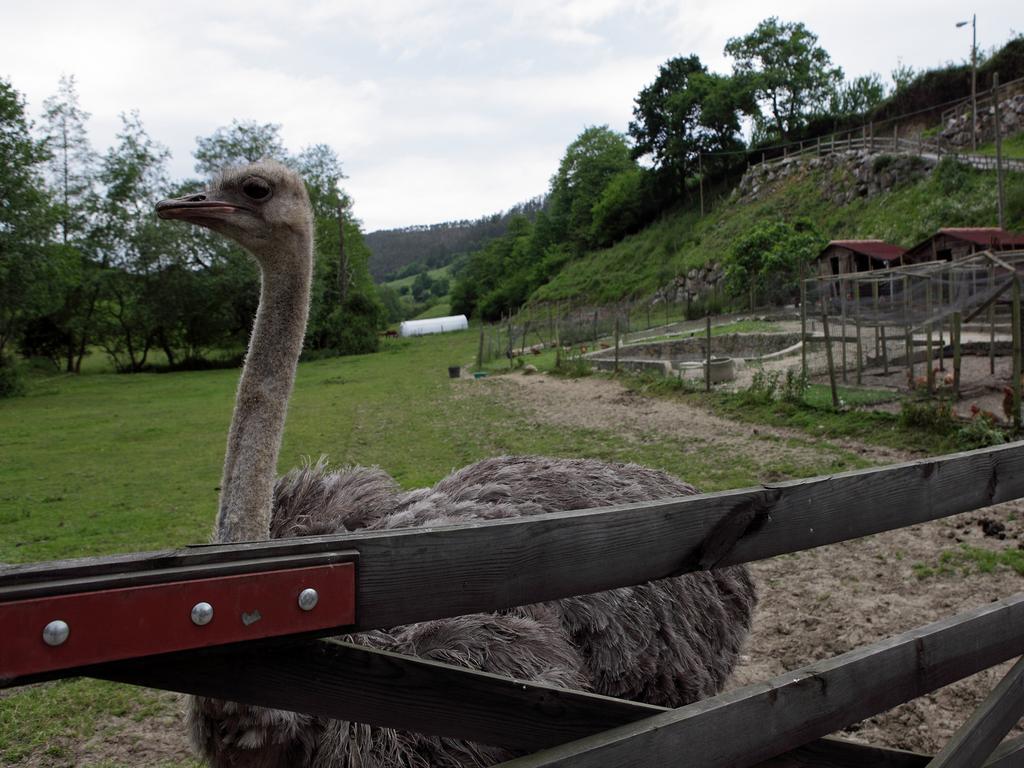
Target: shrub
[935, 417]
[980, 432]
[762, 389]
[12, 383]
[794, 386]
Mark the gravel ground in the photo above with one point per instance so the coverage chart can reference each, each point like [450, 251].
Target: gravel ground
[830, 600]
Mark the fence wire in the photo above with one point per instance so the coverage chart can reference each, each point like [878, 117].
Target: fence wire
[919, 295]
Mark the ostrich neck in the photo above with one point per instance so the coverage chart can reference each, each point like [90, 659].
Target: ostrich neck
[250, 465]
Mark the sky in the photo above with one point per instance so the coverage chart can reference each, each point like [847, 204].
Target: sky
[440, 110]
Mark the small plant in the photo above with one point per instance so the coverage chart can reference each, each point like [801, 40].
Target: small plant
[936, 417]
[980, 432]
[573, 365]
[794, 386]
[763, 387]
[12, 382]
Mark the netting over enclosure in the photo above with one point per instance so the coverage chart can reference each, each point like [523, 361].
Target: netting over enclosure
[918, 295]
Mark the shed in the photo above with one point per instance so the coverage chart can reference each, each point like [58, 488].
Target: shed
[433, 325]
[843, 257]
[956, 242]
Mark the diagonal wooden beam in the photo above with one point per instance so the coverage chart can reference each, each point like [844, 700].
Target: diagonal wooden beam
[799, 707]
[416, 574]
[991, 721]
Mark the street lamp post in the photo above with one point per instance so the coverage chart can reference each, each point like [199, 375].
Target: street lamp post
[974, 78]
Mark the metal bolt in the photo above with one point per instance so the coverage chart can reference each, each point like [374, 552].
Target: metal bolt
[202, 613]
[308, 599]
[56, 632]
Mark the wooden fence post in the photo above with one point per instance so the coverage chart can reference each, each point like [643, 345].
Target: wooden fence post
[707, 363]
[842, 327]
[908, 329]
[1016, 353]
[992, 324]
[828, 356]
[616, 342]
[803, 324]
[996, 121]
[480, 348]
[859, 349]
[930, 373]
[956, 355]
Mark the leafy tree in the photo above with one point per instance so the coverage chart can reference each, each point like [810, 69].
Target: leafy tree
[902, 75]
[138, 247]
[786, 70]
[622, 208]
[589, 163]
[71, 176]
[767, 260]
[32, 271]
[684, 113]
[422, 287]
[345, 313]
[244, 141]
[857, 97]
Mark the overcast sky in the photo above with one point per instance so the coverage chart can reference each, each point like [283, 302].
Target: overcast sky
[439, 109]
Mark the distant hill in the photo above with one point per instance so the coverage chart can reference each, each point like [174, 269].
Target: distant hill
[428, 246]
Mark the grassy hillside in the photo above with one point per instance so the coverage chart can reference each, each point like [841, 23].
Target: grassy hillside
[951, 196]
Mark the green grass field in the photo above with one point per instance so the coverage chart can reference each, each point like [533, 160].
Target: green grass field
[113, 463]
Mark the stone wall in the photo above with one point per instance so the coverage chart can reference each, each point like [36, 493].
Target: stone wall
[846, 175]
[741, 345]
[958, 131]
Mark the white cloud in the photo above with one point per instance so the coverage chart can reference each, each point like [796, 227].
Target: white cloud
[438, 108]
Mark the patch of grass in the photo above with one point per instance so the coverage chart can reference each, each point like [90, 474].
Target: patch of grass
[820, 396]
[56, 719]
[1013, 147]
[968, 559]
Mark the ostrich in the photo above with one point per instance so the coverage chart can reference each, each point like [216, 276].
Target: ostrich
[669, 642]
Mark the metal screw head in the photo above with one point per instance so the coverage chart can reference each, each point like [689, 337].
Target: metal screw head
[56, 632]
[202, 614]
[308, 599]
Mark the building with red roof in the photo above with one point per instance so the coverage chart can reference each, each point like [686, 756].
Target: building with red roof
[956, 242]
[842, 257]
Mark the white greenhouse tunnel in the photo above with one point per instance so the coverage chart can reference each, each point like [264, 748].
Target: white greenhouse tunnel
[433, 325]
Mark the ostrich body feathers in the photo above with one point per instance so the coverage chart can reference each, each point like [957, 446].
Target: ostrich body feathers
[669, 642]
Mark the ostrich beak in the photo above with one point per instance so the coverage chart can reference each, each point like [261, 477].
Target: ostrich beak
[199, 208]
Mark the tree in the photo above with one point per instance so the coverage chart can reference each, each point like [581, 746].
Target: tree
[767, 260]
[687, 112]
[589, 163]
[244, 141]
[786, 70]
[902, 75]
[139, 249]
[71, 175]
[32, 271]
[858, 97]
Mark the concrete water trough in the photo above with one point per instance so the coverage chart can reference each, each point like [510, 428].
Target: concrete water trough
[685, 357]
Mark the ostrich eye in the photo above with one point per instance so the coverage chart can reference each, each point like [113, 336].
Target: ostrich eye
[256, 188]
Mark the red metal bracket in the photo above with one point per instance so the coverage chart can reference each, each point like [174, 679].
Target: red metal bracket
[130, 622]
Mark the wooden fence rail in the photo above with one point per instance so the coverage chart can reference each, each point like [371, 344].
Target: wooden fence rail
[423, 573]
[417, 574]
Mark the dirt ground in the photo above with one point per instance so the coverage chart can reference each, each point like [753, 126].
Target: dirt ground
[813, 605]
[827, 601]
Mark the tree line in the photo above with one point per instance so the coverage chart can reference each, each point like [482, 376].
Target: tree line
[685, 131]
[86, 267]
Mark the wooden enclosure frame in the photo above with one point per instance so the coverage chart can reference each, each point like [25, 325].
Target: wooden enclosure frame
[410, 575]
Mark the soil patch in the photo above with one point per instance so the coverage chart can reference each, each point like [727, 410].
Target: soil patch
[824, 602]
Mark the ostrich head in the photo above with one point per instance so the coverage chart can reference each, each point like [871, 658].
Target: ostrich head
[262, 206]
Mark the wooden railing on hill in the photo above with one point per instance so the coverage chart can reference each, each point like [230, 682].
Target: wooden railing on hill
[925, 147]
[984, 98]
[410, 575]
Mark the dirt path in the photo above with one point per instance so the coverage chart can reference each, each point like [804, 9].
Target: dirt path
[825, 602]
[596, 403]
